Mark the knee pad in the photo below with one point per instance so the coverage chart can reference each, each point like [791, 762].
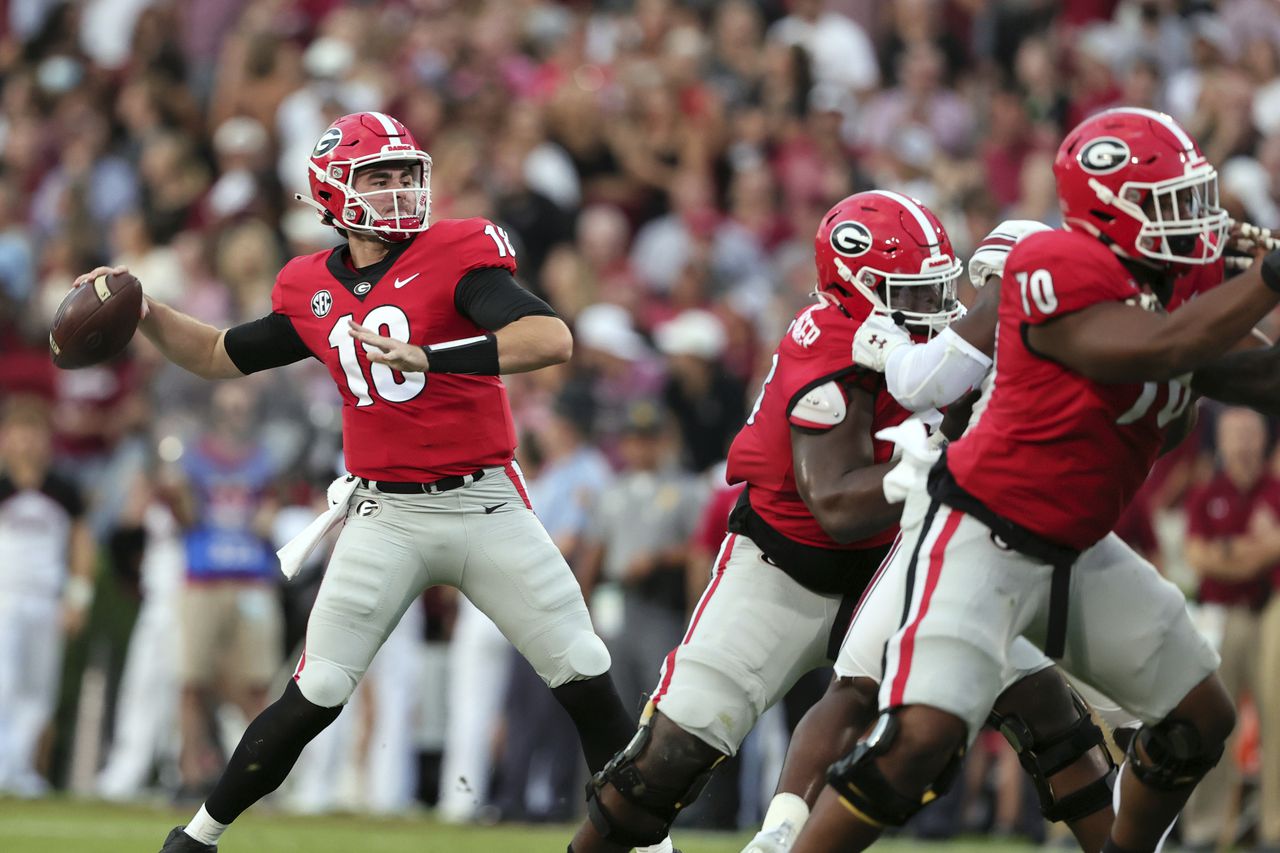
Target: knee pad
[655, 781]
[871, 796]
[1045, 756]
[325, 684]
[587, 656]
[583, 656]
[1171, 755]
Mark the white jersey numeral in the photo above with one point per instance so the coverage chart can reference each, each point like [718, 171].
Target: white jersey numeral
[755, 410]
[396, 325]
[1179, 398]
[1039, 286]
[500, 239]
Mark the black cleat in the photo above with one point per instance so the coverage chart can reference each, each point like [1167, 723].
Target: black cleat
[179, 842]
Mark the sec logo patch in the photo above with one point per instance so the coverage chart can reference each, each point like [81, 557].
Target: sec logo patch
[322, 303]
[368, 508]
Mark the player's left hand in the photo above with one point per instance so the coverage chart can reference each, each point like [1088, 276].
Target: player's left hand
[398, 355]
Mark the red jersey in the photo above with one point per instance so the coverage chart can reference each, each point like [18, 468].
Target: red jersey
[817, 350]
[1219, 510]
[1196, 281]
[410, 427]
[1055, 452]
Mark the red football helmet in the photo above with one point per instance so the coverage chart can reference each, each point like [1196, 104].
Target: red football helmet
[356, 142]
[882, 252]
[1137, 181]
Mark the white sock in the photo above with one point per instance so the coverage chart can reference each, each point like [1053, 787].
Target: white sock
[663, 846]
[783, 808]
[205, 829]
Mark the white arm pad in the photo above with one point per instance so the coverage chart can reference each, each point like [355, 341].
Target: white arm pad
[934, 374]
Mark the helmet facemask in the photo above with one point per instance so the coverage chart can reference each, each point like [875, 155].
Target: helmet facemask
[925, 302]
[1181, 220]
[392, 213]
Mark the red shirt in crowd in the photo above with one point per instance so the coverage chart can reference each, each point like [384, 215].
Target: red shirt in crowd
[1218, 510]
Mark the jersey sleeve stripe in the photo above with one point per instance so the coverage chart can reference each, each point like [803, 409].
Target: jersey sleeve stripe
[460, 342]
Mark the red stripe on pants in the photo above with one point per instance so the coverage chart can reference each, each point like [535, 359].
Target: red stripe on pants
[669, 664]
[518, 482]
[907, 646]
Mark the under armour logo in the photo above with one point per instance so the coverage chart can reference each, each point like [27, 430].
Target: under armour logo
[876, 341]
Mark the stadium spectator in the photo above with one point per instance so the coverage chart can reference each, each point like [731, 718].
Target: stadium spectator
[46, 586]
[231, 634]
[1233, 543]
[638, 539]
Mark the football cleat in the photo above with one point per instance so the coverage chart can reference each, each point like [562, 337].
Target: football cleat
[179, 842]
[777, 840]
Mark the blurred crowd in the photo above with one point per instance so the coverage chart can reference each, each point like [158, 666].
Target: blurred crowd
[660, 166]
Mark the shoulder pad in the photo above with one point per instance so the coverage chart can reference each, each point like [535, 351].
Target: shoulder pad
[1053, 273]
[821, 407]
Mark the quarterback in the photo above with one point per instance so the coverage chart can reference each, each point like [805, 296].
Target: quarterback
[415, 321]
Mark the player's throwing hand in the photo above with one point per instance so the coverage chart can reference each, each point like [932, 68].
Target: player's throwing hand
[398, 355]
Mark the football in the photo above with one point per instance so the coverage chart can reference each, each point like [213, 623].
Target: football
[95, 321]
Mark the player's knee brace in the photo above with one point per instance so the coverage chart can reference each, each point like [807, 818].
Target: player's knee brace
[1043, 756]
[655, 781]
[1171, 755]
[871, 796]
[325, 684]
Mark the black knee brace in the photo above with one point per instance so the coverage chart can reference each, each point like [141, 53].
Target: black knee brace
[1045, 756]
[1176, 757]
[862, 786]
[674, 778]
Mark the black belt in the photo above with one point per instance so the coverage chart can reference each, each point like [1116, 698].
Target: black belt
[1007, 533]
[435, 487]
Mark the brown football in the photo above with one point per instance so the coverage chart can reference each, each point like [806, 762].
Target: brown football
[95, 321]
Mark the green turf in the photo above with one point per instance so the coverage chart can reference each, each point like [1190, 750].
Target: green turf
[70, 826]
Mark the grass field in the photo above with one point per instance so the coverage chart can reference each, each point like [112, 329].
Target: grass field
[70, 826]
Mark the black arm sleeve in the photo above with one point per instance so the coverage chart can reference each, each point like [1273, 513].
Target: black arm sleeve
[491, 298]
[269, 341]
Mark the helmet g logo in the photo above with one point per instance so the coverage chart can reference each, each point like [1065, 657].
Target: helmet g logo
[328, 142]
[1104, 155]
[851, 239]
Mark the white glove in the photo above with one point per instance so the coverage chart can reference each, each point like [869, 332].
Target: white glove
[918, 454]
[988, 259]
[875, 339]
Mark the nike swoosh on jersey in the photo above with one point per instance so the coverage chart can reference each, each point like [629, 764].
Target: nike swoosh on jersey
[401, 282]
[489, 509]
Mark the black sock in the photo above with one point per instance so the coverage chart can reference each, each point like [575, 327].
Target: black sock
[267, 752]
[603, 724]
[1112, 847]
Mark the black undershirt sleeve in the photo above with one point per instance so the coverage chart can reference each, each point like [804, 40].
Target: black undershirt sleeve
[491, 298]
[269, 341]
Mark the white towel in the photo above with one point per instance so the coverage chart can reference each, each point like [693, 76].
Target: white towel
[295, 551]
[918, 455]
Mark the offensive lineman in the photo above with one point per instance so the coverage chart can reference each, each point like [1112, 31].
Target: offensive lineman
[807, 534]
[1087, 385]
[415, 322]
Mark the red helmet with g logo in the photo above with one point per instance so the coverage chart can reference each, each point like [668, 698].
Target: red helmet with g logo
[1136, 180]
[883, 252]
[356, 142]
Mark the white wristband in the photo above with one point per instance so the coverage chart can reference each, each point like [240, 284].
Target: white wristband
[78, 592]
